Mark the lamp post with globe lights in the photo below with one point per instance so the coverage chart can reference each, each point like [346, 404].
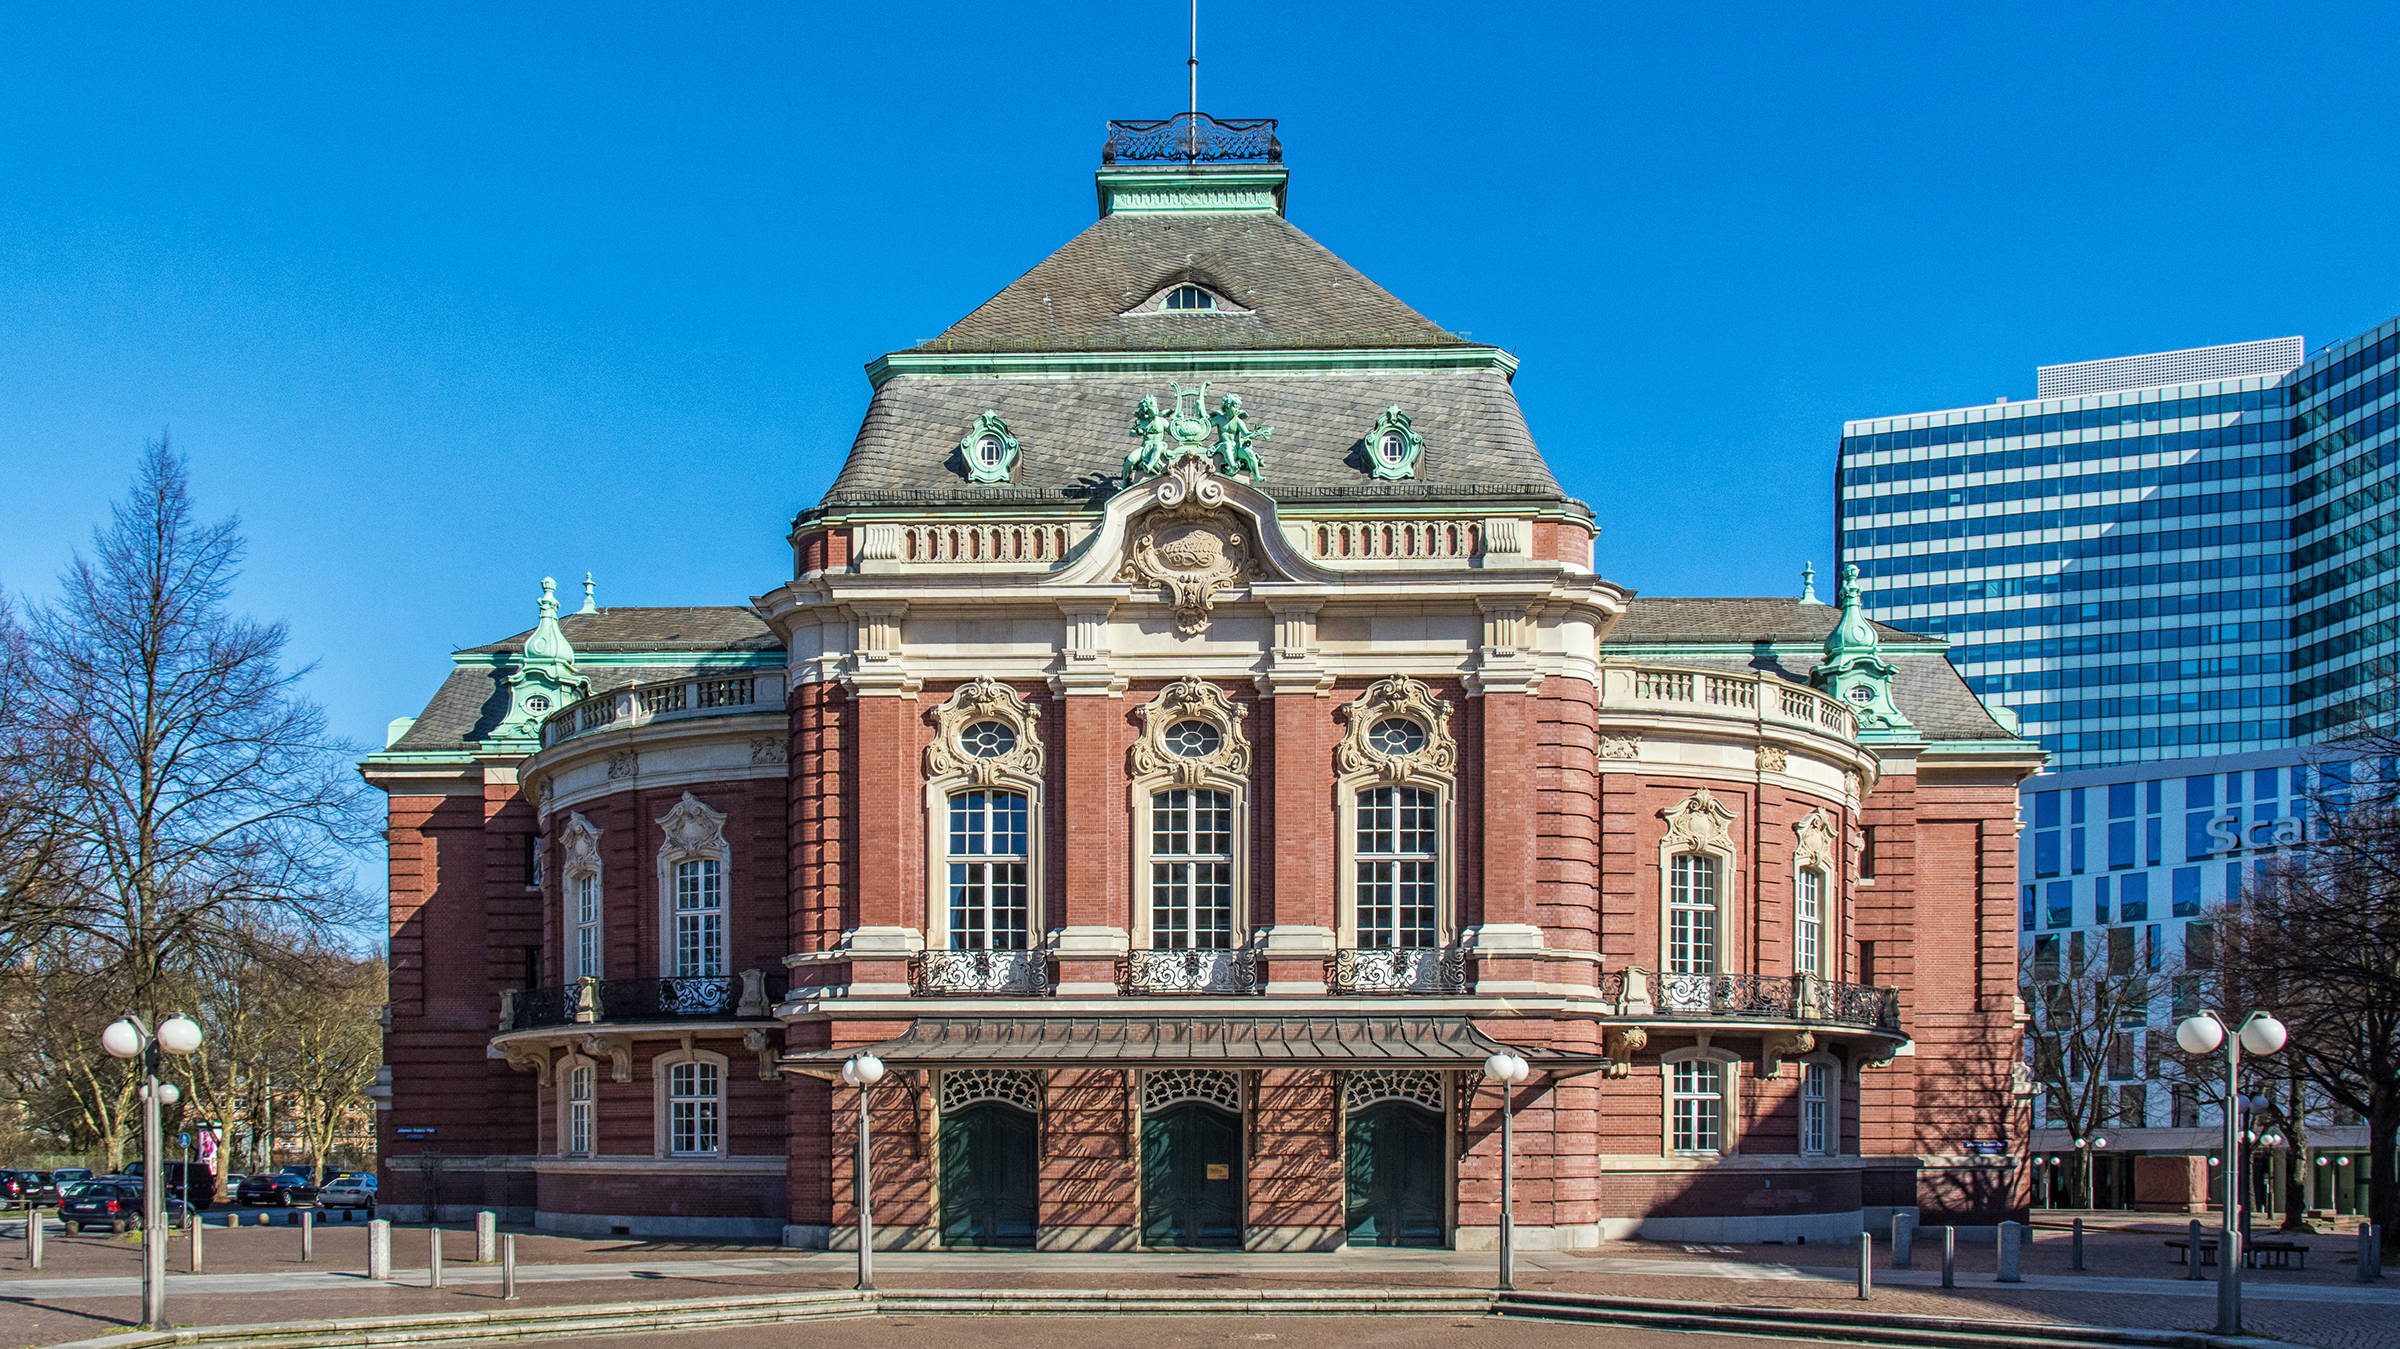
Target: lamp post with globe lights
[863, 1071]
[2261, 1034]
[1507, 1070]
[128, 1038]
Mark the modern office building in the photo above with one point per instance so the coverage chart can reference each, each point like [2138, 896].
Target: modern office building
[2179, 570]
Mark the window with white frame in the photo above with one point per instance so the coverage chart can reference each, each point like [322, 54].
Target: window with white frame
[1399, 867]
[695, 1109]
[1808, 922]
[1692, 914]
[585, 898]
[1188, 296]
[1816, 1109]
[699, 919]
[1191, 870]
[1696, 1105]
[576, 1132]
[990, 889]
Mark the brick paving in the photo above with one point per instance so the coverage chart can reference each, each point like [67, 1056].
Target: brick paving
[2129, 1282]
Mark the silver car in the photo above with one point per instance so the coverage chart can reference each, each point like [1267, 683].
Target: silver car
[348, 1192]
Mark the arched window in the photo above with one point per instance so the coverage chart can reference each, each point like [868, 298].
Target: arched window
[1692, 915]
[699, 937]
[1398, 868]
[1698, 1104]
[990, 889]
[575, 1129]
[1808, 922]
[1191, 870]
[1817, 1108]
[1188, 296]
[580, 844]
[693, 865]
[691, 1104]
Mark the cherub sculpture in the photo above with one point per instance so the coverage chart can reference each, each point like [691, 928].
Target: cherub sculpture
[1235, 439]
[1157, 441]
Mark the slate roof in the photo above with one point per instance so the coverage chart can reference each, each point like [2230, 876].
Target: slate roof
[473, 699]
[1925, 685]
[1296, 292]
[1072, 436]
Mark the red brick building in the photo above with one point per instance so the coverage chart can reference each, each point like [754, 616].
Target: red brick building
[1191, 740]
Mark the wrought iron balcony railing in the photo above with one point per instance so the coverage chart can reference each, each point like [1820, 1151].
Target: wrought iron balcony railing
[1151, 972]
[1426, 970]
[1191, 138]
[1764, 997]
[1023, 973]
[731, 997]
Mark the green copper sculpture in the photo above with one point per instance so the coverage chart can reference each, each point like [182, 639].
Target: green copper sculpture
[1168, 436]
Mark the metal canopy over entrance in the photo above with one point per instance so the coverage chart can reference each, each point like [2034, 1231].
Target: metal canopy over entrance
[1424, 1042]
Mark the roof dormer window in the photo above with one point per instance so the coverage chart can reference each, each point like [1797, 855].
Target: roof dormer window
[1188, 296]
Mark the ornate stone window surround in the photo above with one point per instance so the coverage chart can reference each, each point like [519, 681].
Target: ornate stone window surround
[1157, 768]
[564, 1076]
[951, 769]
[1361, 766]
[1831, 1067]
[662, 1077]
[693, 833]
[1698, 825]
[579, 844]
[1729, 1113]
[1813, 854]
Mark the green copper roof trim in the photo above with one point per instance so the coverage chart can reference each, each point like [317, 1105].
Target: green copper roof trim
[1177, 361]
[398, 758]
[1191, 189]
[763, 660]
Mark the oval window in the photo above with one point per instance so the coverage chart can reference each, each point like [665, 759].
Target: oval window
[1396, 736]
[1392, 448]
[1192, 740]
[537, 703]
[987, 451]
[987, 740]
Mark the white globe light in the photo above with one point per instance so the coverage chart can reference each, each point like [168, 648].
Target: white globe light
[169, 1093]
[850, 1072]
[2200, 1034]
[2212, 1161]
[122, 1040]
[1520, 1068]
[1495, 1068]
[870, 1069]
[2263, 1034]
[2099, 1142]
[178, 1035]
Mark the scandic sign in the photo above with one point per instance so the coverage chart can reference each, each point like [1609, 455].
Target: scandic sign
[2226, 833]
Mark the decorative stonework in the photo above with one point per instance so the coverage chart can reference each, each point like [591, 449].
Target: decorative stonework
[693, 831]
[966, 744]
[1163, 1087]
[1393, 446]
[1851, 783]
[623, 763]
[1191, 699]
[579, 846]
[963, 1087]
[1815, 845]
[1698, 823]
[1621, 1043]
[1781, 1045]
[1394, 755]
[1772, 759]
[616, 1049]
[1620, 747]
[989, 450]
[1189, 548]
[759, 1042]
[768, 749]
[528, 1059]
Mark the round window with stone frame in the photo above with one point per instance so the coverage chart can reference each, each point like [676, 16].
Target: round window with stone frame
[988, 452]
[1392, 448]
[1397, 737]
[537, 703]
[1192, 739]
[987, 740]
[1861, 694]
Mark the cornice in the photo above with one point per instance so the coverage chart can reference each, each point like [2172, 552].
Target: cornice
[1080, 364]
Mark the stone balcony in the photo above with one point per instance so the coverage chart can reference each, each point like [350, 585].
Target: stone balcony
[1755, 698]
[1803, 999]
[748, 996]
[707, 695]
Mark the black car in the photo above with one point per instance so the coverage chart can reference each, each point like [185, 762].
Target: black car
[113, 1202]
[277, 1189]
[194, 1183]
[20, 1188]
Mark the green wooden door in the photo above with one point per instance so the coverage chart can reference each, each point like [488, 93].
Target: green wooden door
[1397, 1171]
[1192, 1177]
[990, 1177]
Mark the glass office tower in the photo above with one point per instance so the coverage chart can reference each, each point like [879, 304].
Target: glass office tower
[2109, 560]
[2345, 558]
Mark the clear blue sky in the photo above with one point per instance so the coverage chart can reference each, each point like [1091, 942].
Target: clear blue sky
[445, 299]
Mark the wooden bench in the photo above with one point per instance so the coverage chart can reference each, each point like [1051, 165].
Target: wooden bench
[2265, 1253]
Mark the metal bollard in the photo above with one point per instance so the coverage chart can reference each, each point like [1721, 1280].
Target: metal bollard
[2079, 1244]
[33, 1238]
[2366, 1253]
[508, 1268]
[2191, 1254]
[379, 1249]
[308, 1237]
[1949, 1257]
[433, 1257]
[487, 1236]
[1866, 1267]
[1904, 1239]
[2011, 1242]
[199, 1226]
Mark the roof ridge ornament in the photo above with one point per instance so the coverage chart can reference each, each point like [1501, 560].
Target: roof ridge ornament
[1854, 669]
[545, 678]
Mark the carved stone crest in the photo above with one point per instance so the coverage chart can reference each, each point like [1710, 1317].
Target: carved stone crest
[1167, 747]
[1814, 847]
[1620, 746]
[1397, 731]
[693, 831]
[985, 733]
[1772, 759]
[623, 763]
[1188, 550]
[767, 749]
[579, 845]
[1698, 822]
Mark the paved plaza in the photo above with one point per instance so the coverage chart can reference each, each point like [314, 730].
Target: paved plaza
[90, 1284]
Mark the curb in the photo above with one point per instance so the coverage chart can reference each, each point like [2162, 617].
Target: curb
[1861, 1328]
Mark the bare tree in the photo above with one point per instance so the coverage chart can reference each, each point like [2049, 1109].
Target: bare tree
[54, 999]
[32, 888]
[195, 791]
[2090, 1003]
[330, 1037]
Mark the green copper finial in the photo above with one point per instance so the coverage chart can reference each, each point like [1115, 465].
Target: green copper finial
[544, 680]
[1854, 669]
[590, 605]
[1808, 583]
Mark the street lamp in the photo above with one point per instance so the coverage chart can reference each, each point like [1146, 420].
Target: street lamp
[1508, 1070]
[863, 1071]
[128, 1038]
[2261, 1034]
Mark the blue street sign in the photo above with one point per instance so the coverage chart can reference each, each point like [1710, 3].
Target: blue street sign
[183, 1140]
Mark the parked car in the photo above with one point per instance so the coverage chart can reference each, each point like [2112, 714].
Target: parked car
[114, 1202]
[193, 1181]
[45, 1187]
[68, 1175]
[20, 1188]
[275, 1188]
[348, 1192]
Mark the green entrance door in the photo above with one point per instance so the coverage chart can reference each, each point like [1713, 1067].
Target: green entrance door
[1192, 1177]
[989, 1177]
[1396, 1173]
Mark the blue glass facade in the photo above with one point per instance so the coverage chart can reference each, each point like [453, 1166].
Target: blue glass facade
[2345, 559]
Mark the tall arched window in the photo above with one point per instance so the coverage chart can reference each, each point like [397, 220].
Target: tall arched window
[1808, 922]
[699, 919]
[1399, 864]
[1191, 870]
[990, 889]
[579, 843]
[694, 863]
[691, 1103]
[1692, 915]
